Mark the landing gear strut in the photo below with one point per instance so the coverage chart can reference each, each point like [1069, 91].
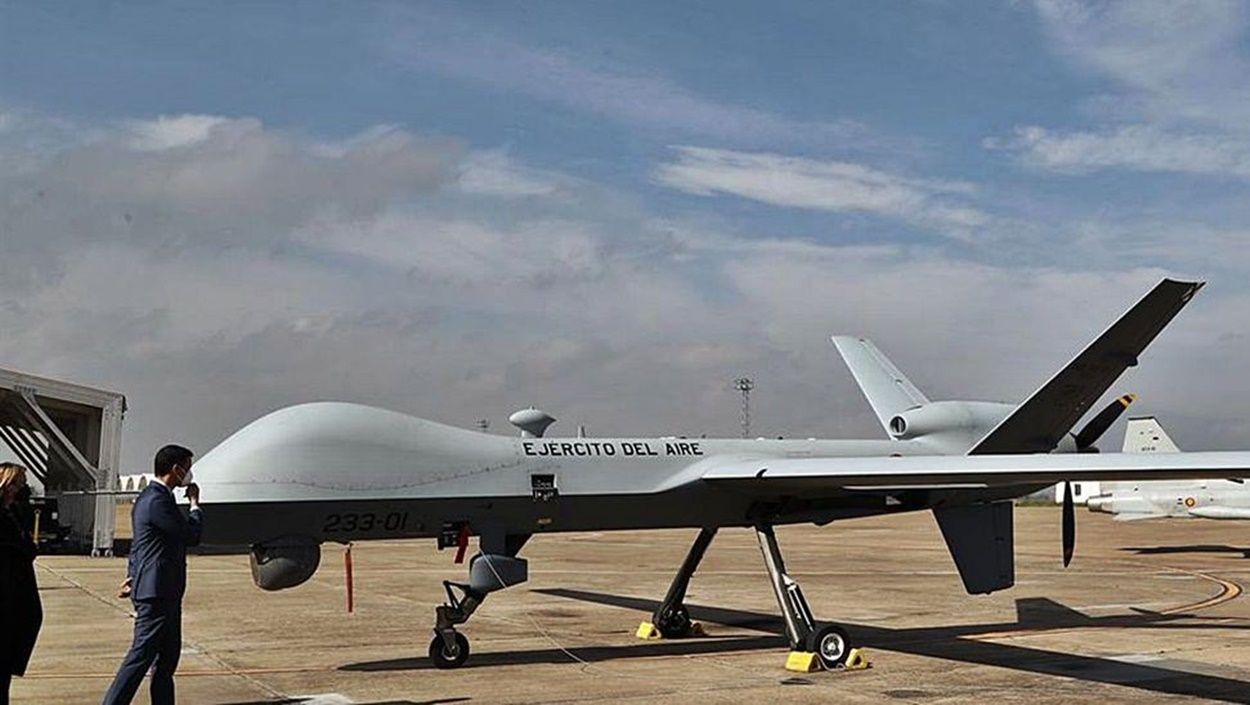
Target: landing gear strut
[671, 619]
[450, 648]
[830, 643]
[488, 572]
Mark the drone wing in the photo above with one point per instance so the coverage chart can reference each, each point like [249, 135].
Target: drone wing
[1038, 424]
[773, 475]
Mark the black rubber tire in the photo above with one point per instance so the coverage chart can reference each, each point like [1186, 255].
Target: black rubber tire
[675, 623]
[441, 659]
[831, 644]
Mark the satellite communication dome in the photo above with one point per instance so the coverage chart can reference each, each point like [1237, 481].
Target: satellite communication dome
[532, 422]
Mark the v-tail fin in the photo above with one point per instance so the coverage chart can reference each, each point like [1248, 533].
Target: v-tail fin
[888, 391]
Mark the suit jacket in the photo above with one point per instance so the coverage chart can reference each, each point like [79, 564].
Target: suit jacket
[158, 555]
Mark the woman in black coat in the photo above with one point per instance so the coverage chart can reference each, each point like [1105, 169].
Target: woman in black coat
[21, 613]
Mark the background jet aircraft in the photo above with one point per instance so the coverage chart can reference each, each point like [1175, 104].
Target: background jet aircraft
[1189, 499]
[341, 472]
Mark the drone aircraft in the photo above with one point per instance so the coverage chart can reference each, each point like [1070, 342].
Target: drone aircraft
[339, 472]
[1175, 499]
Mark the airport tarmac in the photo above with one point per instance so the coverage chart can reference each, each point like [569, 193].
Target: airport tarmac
[1148, 612]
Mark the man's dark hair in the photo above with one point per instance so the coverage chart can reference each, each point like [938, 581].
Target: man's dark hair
[169, 456]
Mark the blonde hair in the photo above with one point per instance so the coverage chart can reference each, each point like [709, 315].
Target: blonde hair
[11, 473]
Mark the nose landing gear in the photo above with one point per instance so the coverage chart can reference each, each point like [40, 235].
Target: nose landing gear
[488, 572]
[443, 657]
[450, 648]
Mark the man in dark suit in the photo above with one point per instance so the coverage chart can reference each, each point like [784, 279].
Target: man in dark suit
[157, 578]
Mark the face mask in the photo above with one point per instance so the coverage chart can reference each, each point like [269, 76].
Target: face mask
[184, 476]
[23, 495]
[188, 478]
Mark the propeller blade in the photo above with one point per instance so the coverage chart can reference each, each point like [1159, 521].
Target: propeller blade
[1069, 524]
[1100, 423]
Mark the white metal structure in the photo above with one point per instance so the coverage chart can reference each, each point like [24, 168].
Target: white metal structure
[69, 436]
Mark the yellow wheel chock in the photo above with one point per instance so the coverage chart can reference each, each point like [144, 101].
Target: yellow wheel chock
[809, 662]
[856, 661]
[803, 662]
[649, 631]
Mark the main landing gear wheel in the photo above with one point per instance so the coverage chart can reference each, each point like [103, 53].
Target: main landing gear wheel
[831, 644]
[675, 623]
[671, 619]
[828, 643]
[442, 657]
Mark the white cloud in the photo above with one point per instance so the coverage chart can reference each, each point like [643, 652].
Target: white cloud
[1176, 60]
[236, 182]
[615, 93]
[361, 269]
[493, 173]
[464, 252]
[1133, 147]
[837, 186]
[1179, 93]
[168, 132]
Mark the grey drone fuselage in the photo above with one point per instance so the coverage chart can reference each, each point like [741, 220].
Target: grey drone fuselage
[346, 472]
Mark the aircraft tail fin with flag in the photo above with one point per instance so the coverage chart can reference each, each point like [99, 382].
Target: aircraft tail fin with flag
[889, 392]
[1145, 434]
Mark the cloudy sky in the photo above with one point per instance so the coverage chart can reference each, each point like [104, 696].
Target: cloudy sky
[610, 210]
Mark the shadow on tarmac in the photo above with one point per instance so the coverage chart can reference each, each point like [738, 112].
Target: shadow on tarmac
[1195, 548]
[299, 700]
[951, 643]
[590, 654]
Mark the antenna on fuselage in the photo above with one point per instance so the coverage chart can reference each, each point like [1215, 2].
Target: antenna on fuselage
[532, 422]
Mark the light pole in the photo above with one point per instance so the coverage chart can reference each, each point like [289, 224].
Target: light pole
[745, 385]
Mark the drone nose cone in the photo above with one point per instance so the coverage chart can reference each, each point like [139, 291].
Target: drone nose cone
[305, 451]
[331, 450]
